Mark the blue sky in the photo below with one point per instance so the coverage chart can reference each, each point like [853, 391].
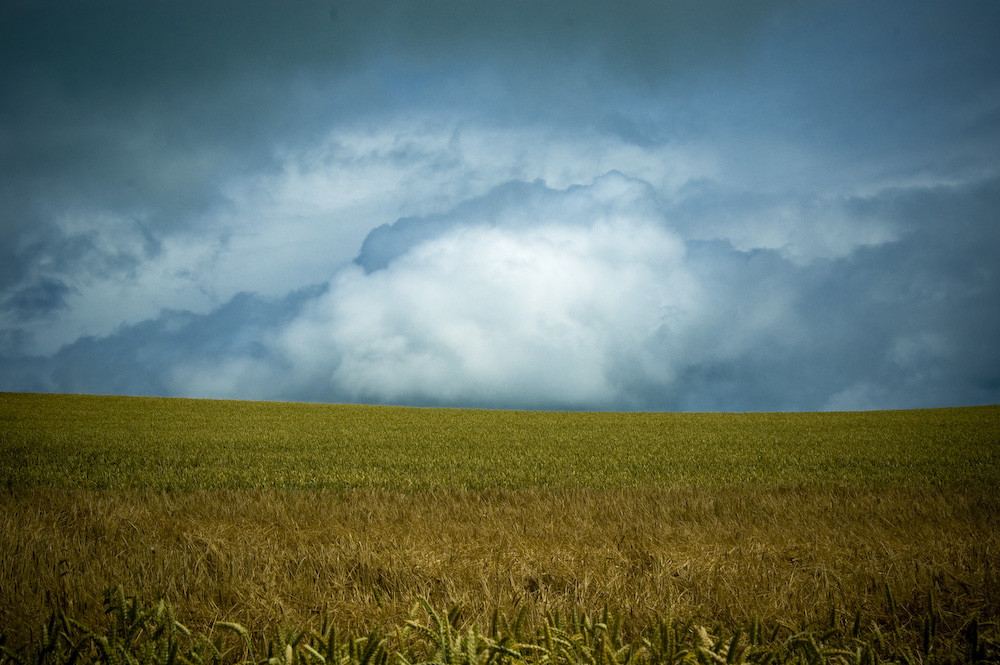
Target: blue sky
[699, 206]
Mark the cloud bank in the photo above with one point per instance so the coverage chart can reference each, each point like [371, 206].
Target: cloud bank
[587, 297]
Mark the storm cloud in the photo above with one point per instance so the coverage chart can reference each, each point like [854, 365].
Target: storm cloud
[657, 206]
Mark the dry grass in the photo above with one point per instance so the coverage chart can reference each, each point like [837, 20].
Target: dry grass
[260, 556]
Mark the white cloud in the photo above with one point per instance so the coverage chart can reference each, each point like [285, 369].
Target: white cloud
[531, 296]
[540, 309]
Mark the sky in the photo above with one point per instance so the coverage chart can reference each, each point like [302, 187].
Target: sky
[587, 205]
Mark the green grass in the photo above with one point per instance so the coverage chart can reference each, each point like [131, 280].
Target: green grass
[73, 441]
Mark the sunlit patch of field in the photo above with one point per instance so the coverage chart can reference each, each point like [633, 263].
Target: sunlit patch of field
[263, 513]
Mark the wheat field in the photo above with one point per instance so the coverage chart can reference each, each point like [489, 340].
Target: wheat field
[131, 443]
[257, 515]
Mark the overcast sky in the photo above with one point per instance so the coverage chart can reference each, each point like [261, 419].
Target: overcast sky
[663, 205]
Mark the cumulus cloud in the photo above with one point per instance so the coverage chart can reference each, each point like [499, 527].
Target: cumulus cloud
[589, 298]
[538, 305]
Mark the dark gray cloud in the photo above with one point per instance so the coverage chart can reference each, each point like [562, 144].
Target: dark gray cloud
[575, 205]
[38, 299]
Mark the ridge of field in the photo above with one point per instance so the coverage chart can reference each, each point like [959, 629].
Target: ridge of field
[113, 442]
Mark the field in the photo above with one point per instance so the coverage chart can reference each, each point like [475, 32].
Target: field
[70, 441]
[883, 527]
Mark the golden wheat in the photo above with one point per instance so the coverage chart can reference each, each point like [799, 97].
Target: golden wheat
[368, 556]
